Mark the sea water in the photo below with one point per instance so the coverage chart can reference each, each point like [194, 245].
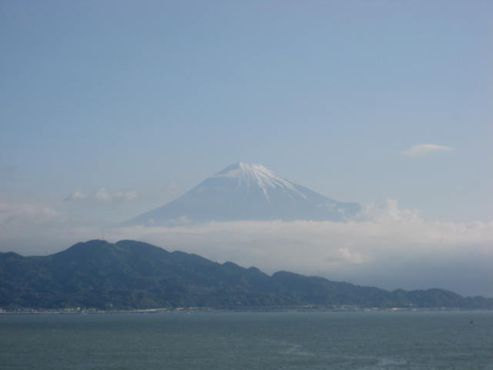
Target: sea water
[248, 341]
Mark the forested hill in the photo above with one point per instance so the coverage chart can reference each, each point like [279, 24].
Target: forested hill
[131, 274]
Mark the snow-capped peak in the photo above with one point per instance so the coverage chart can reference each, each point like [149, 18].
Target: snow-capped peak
[244, 191]
[251, 174]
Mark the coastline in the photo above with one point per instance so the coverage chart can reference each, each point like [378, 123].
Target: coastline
[314, 309]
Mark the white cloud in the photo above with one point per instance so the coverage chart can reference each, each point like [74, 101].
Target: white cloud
[103, 195]
[107, 196]
[422, 150]
[36, 229]
[76, 195]
[11, 213]
[392, 248]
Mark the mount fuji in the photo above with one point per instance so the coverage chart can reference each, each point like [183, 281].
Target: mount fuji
[245, 191]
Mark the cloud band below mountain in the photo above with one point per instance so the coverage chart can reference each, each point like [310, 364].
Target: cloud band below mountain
[393, 248]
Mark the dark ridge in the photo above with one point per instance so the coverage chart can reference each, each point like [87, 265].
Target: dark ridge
[10, 255]
[131, 274]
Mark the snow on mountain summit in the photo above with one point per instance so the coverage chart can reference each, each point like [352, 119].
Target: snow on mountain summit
[255, 175]
[241, 169]
[245, 191]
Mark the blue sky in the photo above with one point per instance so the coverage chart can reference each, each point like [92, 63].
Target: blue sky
[147, 96]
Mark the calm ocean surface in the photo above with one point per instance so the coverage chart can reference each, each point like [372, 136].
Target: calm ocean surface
[248, 341]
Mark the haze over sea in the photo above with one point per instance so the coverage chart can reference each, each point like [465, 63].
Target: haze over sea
[248, 340]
